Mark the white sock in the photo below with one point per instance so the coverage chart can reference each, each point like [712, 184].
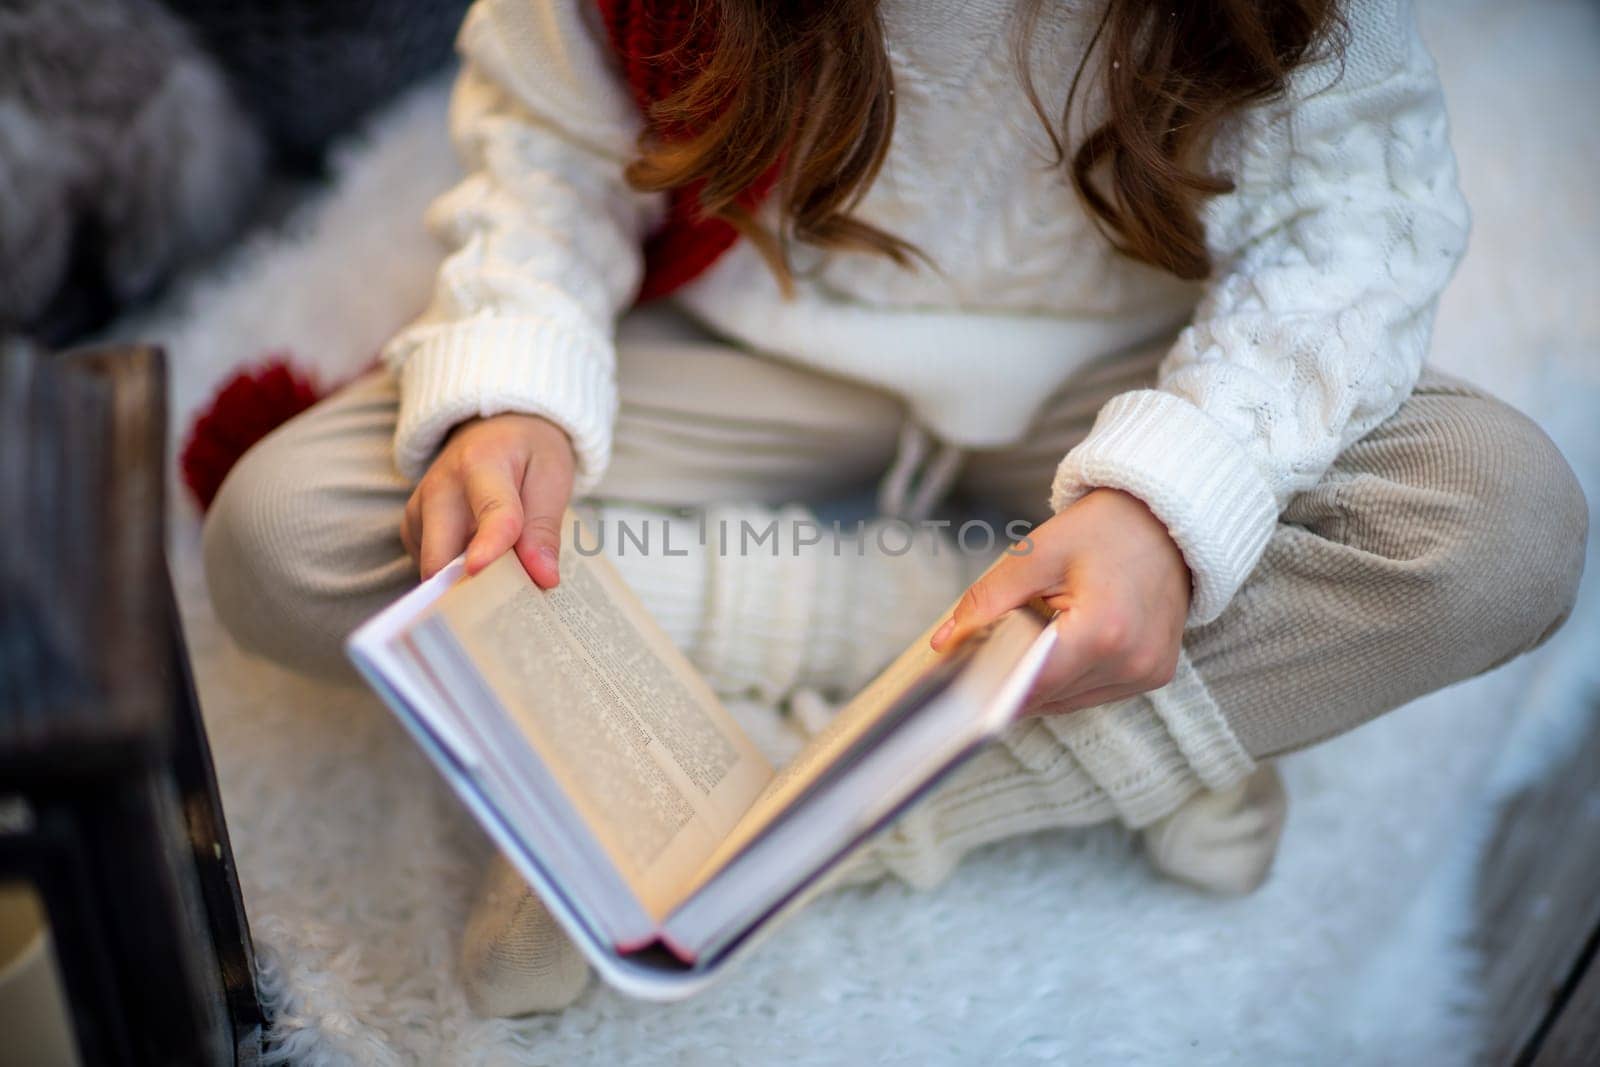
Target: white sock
[515, 958]
[1225, 841]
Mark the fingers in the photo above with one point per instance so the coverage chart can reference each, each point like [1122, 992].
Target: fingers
[1071, 666]
[444, 522]
[1097, 661]
[1011, 582]
[499, 483]
[546, 491]
[495, 502]
[411, 529]
[489, 515]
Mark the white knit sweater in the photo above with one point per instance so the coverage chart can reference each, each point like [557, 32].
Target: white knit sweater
[1329, 259]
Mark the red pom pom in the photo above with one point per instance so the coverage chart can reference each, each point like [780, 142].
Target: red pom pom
[249, 406]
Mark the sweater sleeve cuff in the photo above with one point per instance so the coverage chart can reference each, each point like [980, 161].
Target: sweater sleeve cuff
[474, 369]
[1191, 474]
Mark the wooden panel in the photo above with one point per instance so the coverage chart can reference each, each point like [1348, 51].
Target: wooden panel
[82, 652]
[1539, 901]
[102, 749]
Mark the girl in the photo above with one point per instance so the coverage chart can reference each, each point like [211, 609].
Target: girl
[1159, 277]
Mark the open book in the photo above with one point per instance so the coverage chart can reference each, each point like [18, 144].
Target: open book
[611, 776]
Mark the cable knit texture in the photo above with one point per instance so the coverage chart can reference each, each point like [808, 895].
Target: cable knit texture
[1146, 754]
[546, 238]
[1330, 256]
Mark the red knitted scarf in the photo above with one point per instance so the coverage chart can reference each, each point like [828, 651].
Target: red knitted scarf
[661, 47]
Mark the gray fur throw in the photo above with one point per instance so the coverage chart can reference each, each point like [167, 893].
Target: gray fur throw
[119, 144]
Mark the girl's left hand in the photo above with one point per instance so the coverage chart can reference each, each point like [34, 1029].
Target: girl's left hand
[1122, 589]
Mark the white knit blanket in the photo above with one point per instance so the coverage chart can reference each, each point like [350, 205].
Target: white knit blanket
[358, 864]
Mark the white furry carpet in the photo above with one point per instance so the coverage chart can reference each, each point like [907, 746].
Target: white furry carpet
[357, 864]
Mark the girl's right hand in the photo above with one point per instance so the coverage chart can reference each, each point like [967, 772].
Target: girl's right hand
[498, 483]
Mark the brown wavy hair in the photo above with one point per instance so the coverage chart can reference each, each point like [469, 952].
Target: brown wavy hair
[809, 82]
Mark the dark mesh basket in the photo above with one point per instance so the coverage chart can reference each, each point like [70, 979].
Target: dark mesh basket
[310, 69]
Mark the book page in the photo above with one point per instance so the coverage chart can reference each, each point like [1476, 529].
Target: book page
[849, 725]
[655, 764]
[918, 721]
